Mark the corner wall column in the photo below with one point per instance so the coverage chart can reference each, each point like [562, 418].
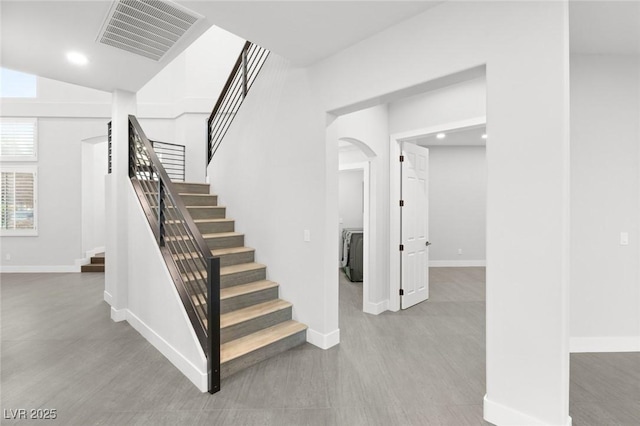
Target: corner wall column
[116, 244]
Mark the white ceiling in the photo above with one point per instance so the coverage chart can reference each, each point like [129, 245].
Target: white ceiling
[605, 27]
[468, 136]
[35, 36]
[307, 31]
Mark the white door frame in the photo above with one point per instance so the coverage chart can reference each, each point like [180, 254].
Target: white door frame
[367, 305]
[87, 214]
[394, 196]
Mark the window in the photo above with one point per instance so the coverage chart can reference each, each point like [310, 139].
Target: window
[18, 189]
[18, 139]
[15, 84]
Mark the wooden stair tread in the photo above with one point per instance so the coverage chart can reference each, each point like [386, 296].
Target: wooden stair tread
[217, 252]
[215, 220]
[231, 250]
[222, 235]
[238, 290]
[244, 345]
[242, 267]
[251, 312]
[227, 270]
[92, 267]
[209, 236]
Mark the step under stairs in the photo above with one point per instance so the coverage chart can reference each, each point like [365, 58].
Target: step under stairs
[96, 265]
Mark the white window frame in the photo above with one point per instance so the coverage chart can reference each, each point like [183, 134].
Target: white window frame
[24, 232]
[34, 157]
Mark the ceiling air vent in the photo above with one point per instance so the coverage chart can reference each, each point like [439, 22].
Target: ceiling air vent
[148, 28]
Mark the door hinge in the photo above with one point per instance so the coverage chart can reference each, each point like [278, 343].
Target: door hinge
[401, 158]
[401, 292]
[401, 247]
[401, 203]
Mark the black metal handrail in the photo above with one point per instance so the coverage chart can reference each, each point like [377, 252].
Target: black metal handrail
[171, 156]
[243, 74]
[195, 272]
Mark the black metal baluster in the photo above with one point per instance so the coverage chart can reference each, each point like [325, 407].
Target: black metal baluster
[160, 213]
[213, 323]
[244, 72]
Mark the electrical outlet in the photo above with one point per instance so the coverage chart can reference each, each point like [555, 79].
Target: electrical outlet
[307, 235]
[459, 251]
[7, 256]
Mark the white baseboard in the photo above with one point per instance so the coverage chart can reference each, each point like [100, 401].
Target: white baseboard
[376, 308]
[38, 269]
[198, 376]
[501, 415]
[108, 297]
[323, 341]
[118, 315]
[604, 344]
[457, 263]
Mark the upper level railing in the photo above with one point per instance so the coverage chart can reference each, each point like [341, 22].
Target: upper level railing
[171, 156]
[242, 76]
[195, 272]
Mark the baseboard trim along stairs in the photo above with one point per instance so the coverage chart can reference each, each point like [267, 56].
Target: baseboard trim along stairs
[255, 324]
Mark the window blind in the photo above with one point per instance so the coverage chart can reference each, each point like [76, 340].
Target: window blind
[17, 200]
[18, 139]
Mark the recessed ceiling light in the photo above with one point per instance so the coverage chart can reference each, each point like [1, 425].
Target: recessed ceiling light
[484, 136]
[77, 58]
[441, 136]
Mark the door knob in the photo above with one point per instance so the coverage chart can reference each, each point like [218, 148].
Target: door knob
[428, 244]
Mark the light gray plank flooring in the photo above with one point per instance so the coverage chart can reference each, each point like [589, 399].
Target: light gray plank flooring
[421, 366]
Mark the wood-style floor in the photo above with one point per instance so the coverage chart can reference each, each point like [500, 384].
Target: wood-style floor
[422, 366]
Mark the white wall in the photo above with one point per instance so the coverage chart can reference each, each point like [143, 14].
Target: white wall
[351, 155]
[370, 129]
[282, 170]
[269, 176]
[447, 105]
[67, 114]
[525, 47]
[351, 198]
[457, 205]
[457, 186]
[154, 307]
[174, 105]
[59, 241]
[605, 289]
[351, 207]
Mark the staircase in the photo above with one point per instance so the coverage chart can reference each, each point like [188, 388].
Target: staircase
[96, 265]
[254, 323]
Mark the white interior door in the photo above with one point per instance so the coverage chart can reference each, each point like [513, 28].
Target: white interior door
[414, 283]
